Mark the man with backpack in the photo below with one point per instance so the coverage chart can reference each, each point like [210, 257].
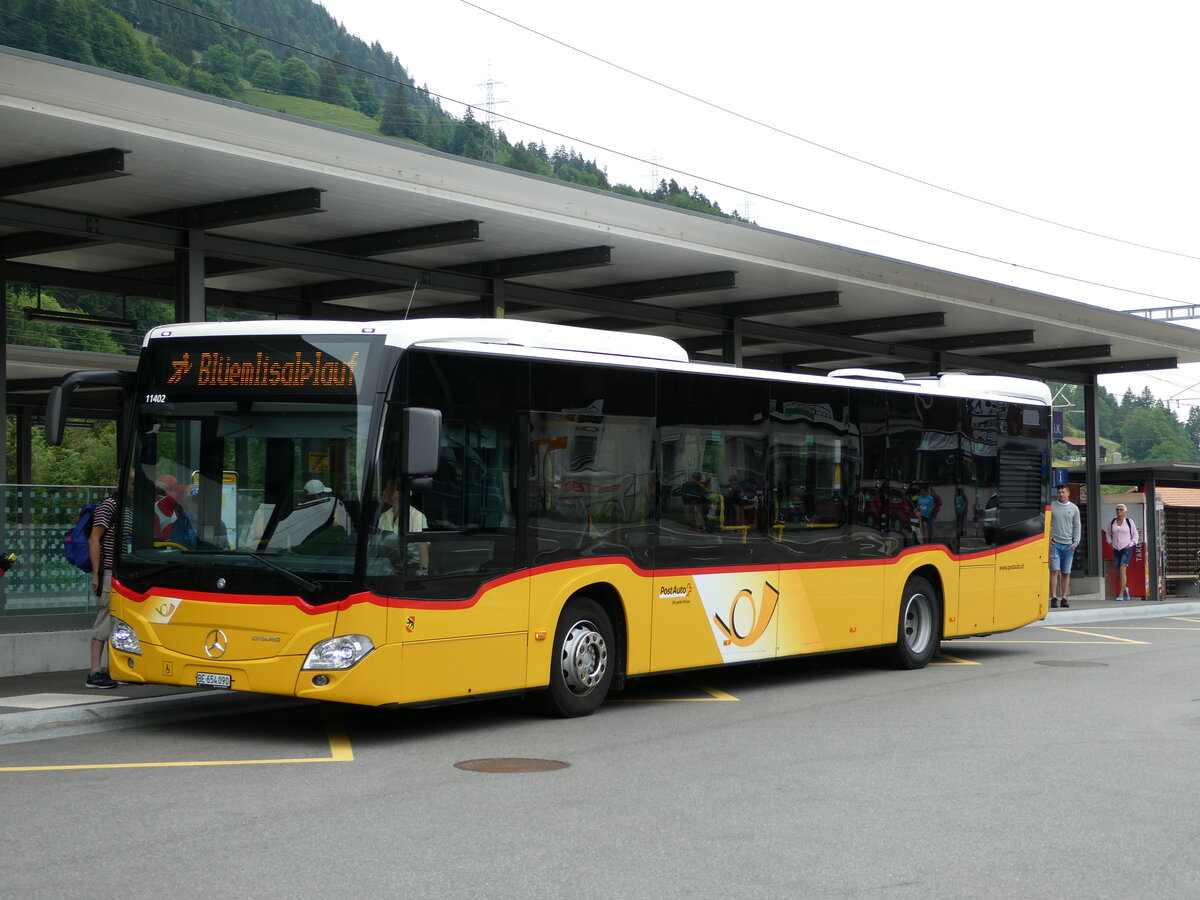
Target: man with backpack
[102, 543]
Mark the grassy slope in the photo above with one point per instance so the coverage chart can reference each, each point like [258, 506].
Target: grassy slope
[311, 109]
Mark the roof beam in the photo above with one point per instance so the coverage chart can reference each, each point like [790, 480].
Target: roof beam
[241, 211]
[419, 237]
[168, 238]
[538, 263]
[770, 306]
[707, 342]
[1056, 354]
[1131, 365]
[664, 287]
[60, 171]
[223, 214]
[376, 244]
[74, 279]
[282, 306]
[912, 322]
[815, 357]
[972, 341]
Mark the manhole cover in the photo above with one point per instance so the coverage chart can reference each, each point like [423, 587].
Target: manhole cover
[1068, 662]
[510, 764]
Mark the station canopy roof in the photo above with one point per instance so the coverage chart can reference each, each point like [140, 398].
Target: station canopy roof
[106, 182]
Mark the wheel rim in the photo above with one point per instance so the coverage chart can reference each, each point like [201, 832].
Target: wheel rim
[918, 622]
[584, 658]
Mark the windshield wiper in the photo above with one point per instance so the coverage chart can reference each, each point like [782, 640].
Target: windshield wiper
[287, 573]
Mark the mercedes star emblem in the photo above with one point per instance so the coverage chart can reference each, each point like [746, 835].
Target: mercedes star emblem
[215, 643]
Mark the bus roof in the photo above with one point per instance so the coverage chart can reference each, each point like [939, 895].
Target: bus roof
[566, 342]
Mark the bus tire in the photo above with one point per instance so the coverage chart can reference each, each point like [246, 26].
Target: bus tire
[581, 670]
[918, 630]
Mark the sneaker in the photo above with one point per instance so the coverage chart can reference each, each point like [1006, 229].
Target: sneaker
[1054, 603]
[1127, 593]
[1064, 604]
[99, 680]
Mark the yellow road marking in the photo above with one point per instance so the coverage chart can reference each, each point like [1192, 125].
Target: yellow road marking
[715, 695]
[1093, 634]
[1104, 638]
[954, 661]
[339, 751]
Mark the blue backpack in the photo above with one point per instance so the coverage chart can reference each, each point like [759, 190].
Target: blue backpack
[75, 544]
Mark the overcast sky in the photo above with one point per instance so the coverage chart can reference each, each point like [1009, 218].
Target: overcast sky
[1073, 116]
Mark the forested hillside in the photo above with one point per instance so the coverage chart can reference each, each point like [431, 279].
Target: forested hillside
[291, 56]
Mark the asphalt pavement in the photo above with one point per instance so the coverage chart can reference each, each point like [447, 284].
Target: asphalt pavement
[57, 704]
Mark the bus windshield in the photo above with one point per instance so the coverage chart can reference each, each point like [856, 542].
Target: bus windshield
[246, 466]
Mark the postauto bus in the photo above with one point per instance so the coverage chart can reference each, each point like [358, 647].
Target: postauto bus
[407, 513]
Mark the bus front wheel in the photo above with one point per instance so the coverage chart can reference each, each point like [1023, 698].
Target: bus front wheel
[918, 628]
[581, 671]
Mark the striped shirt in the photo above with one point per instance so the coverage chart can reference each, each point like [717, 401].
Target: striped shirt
[103, 517]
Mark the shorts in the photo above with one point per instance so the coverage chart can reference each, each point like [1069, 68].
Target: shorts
[1122, 557]
[1061, 557]
[102, 627]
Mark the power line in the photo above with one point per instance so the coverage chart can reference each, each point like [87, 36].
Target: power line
[820, 146]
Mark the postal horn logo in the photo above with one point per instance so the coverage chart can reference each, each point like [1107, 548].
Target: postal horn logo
[747, 619]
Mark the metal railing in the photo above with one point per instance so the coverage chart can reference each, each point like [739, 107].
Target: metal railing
[37, 518]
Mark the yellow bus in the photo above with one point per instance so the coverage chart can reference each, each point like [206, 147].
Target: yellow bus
[409, 513]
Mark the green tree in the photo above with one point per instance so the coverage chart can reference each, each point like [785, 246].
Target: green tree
[176, 44]
[330, 88]
[205, 82]
[255, 59]
[298, 78]
[1193, 425]
[46, 334]
[473, 139]
[527, 159]
[1155, 434]
[224, 65]
[88, 454]
[395, 111]
[365, 96]
[1071, 396]
[267, 76]
[1177, 448]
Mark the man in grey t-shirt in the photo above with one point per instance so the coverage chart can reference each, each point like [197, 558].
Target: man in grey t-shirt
[1066, 528]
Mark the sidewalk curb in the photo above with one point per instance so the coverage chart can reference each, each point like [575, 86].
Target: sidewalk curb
[87, 718]
[1129, 609]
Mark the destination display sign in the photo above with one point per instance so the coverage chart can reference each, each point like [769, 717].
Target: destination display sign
[217, 366]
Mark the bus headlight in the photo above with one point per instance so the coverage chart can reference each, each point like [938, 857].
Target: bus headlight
[124, 638]
[339, 652]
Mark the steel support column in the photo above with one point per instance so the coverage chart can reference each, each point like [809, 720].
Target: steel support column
[1152, 539]
[491, 304]
[731, 344]
[4, 537]
[189, 279]
[1091, 427]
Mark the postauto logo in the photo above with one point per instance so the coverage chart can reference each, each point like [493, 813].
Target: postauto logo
[741, 610]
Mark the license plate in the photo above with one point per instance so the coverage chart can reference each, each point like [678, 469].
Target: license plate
[212, 679]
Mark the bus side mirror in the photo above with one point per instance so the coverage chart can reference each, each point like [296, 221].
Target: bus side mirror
[58, 403]
[423, 440]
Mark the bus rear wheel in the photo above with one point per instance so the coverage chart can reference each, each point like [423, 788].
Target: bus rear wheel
[918, 629]
[581, 671]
